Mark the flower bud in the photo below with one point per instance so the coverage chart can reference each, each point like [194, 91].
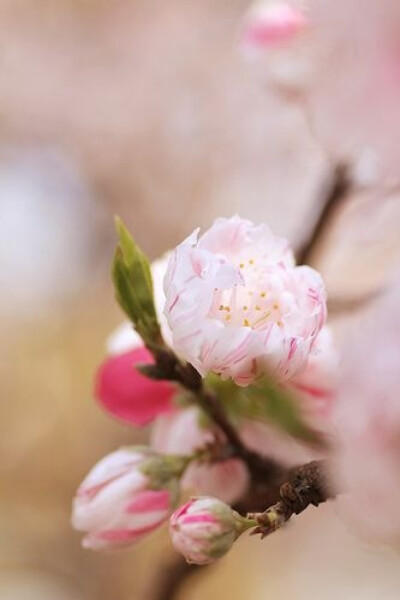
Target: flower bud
[204, 529]
[269, 23]
[127, 495]
[181, 432]
[127, 394]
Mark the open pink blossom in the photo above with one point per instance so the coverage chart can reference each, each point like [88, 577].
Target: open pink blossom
[127, 394]
[204, 529]
[180, 432]
[123, 499]
[367, 466]
[270, 22]
[237, 305]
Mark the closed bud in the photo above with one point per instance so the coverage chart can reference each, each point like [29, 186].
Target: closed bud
[127, 394]
[270, 23]
[204, 529]
[127, 495]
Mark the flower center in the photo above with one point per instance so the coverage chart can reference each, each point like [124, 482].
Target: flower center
[254, 305]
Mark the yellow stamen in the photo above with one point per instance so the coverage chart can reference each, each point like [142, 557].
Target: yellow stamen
[261, 319]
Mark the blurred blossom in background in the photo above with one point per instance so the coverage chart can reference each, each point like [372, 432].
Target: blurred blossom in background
[154, 110]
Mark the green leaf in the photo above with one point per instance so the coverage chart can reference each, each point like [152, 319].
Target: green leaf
[269, 401]
[134, 286]
[265, 401]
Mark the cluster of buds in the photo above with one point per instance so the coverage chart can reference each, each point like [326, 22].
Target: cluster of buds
[232, 326]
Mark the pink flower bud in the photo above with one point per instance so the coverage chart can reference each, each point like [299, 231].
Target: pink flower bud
[204, 529]
[237, 305]
[270, 23]
[127, 495]
[181, 432]
[127, 394]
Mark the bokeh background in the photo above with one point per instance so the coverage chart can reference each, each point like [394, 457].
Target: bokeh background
[151, 109]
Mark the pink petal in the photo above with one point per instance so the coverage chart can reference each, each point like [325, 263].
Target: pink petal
[202, 518]
[149, 501]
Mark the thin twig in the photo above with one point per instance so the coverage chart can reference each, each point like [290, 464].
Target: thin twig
[338, 189]
[169, 367]
[170, 578]
[307, 485]
[338, 306]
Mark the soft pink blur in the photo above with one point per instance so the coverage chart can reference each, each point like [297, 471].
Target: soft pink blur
[368, 423]
[272, 22]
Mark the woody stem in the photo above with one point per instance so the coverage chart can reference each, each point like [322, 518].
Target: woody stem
[306, 485]
[171, 368]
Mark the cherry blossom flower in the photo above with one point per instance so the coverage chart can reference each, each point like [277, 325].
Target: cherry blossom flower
[204, 529]
[126, 496]
[237, 305]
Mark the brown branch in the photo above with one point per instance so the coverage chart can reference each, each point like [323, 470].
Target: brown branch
[338, 306]
[307, 485]
[171, 576]
[333, 196]
[169, 367]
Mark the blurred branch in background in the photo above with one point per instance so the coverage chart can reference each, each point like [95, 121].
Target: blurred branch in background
[171, 576]
[334, 193]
